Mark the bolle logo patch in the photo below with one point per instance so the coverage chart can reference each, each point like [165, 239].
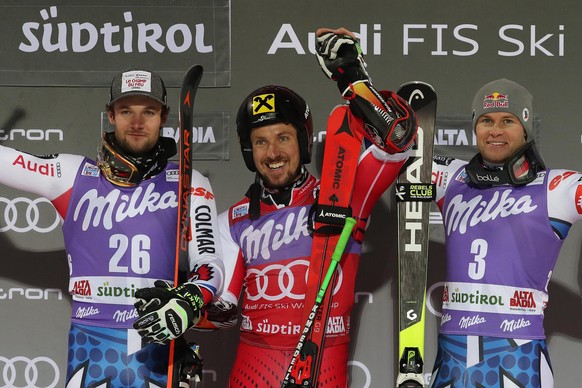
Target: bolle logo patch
[487, 178]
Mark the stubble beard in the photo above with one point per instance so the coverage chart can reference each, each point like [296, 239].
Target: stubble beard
[289, 179]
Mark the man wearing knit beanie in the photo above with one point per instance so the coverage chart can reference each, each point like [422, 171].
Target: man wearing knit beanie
[503, 95]
[505, 218]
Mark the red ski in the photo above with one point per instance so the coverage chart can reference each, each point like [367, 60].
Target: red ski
[341, 154]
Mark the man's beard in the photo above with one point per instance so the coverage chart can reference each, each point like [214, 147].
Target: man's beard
[288, 181]
[135, 149]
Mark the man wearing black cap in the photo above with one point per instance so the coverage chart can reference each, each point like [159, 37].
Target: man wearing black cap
[266, 239]
[505, 218]
[119, 226]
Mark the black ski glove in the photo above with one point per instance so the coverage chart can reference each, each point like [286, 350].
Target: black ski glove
[165, 312]
[340, 57]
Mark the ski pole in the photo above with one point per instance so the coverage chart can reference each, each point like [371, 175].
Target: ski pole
[292, 381]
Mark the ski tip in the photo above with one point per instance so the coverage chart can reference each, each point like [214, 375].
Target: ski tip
[190, 83]
[196, 67]
[418, 94]
[412, 84]
[194, 73]
[417, 87]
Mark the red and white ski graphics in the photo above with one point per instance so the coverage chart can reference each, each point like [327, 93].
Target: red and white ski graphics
[340, 161]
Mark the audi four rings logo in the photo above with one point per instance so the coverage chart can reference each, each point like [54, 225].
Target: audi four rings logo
[22, 372]
[367, 375]
[285, 282]
[23, 215]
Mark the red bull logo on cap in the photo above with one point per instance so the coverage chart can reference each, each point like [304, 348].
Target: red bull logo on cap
[495, 101]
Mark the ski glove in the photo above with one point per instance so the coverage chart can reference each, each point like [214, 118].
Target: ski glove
[165, 312]
[340, 57]
[389, 121]
[220, 314]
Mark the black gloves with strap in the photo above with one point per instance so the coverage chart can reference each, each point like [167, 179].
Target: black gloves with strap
[166, 312]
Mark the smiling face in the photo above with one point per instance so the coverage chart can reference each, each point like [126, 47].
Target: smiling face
[276, 154]
[499, 135]
[137, 121]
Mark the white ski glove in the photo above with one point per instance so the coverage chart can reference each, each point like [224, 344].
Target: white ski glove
[340, 58]
[165, 312]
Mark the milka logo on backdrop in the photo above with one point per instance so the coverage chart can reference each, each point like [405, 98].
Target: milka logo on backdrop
[53, 34]
[461, 214]
[257, 242]
[94, 210]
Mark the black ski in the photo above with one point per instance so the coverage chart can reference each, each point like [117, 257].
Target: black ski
[183, 236]
[414, 192]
